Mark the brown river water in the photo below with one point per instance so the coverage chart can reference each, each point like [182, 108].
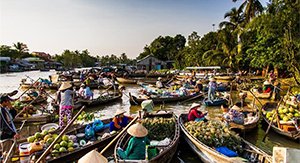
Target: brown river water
[11, 81]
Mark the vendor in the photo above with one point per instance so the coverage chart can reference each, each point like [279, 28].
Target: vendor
[199, 86]
[267, 87]
[7, 126]
[195, 114]
[137, 144]
[159, 83]
[119, 121]
[235, 115]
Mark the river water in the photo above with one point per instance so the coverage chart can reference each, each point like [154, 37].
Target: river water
[11, 81]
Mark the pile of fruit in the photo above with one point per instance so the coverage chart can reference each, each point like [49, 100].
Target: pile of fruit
[160, 128]
[214, 134]
[86, 117]
[29, 109]
[63, 145]
[285, 113]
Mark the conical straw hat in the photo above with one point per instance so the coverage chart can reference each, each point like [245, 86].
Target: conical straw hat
[65, 85]
[93, 156]
[119, 111]
[137, 130]
[195, 105]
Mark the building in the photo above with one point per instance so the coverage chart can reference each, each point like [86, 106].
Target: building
[42, 55]
[150, 63]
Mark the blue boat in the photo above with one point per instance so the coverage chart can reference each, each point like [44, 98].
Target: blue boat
[215, 102]
[219, 89]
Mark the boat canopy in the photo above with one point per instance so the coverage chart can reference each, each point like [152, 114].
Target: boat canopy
[203, 68]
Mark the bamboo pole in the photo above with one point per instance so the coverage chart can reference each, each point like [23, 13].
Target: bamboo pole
[60, 135]
[117, 137]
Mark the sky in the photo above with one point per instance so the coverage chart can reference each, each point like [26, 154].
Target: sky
[105, 27]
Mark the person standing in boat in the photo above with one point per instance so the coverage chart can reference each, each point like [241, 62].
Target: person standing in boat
[8, 130]
[212, 86]
[119, 121]
[199, 86]
[159, 83]
[195, 114]
[277, 89]
[65, 100]
[137, 144]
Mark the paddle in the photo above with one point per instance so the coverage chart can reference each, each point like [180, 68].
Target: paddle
[275, 114]
[107, 146]
[14, 144]
[28, 88]
[43, 91]
[60, 135]
[192, 98]
[256, 98]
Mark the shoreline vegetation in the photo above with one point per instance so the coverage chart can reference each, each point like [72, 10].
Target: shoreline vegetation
[251, 38]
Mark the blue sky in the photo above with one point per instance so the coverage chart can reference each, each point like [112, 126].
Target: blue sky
[105, 26]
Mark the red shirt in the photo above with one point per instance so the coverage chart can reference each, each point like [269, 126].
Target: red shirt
[193, 114]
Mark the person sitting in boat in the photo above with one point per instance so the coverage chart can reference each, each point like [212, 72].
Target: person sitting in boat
[199, 86]
[100, 80]
[238, 80]
[136, 147]
[182, 91]
[88, 94]
[267, 87]
[81, 90]
[234, 115]
[195, 114]
[8, 130]
[212, 86]
[119, 121]
[159, 83]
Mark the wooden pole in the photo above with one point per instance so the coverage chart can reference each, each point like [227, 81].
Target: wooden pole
[256, 98]
[60, 135]
[117, 137]
[275, 114]
[28, 88]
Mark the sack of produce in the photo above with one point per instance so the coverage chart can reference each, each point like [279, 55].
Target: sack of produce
[98, 125]
[89, 132]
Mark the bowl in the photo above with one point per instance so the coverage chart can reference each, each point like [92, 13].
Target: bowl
[48, 126]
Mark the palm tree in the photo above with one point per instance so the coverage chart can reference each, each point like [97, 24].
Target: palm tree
[21, 47]
[235, 16]
[251, 8]
[225, 52]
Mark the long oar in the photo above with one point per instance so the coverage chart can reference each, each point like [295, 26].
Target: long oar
[192, 98]
[60, 135]
[117, 137]
[31, 85]
[14, 144]
[256, 98]
[275, 114]
[44, 91]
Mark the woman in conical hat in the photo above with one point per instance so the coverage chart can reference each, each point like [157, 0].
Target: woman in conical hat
[94, 157]
[195, 114]
[65, 100]
[137, 144]
[119, 120]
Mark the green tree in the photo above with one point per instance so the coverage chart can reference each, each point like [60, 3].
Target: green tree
[251, 9]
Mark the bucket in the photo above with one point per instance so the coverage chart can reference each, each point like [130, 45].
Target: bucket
[24, 149]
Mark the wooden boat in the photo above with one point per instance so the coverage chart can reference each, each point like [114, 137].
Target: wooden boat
[36, 118]
[157, 100]
[126, 80]
[224, 77]
[215, 102]
[166, 152]
[260, 95]
[79, 152]
[37, 100]
[100, 100]
[250, 108]
[295, 135]
[209, 154]
[219, 88]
